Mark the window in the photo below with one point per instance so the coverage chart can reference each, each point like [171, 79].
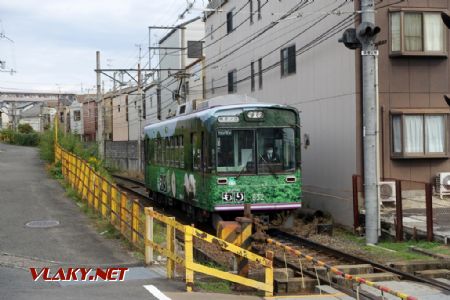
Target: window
[118, 107]
[259, 10]
[288, 61]
[144, 108]
[250, 4]
[260, 73]
[276, 150]
[196, 151]
[252, 75]
[235, 151]
[417, 33]
[212, 86]
[126, 109]
[232, 81]
[229, 22]
[158, 103]
[211, 31]
[76, 115]
[267, 150]
[419, 135]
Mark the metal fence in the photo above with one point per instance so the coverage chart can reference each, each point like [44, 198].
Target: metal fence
[136, 224]
[408, 208]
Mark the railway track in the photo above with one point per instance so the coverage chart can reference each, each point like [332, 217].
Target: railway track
[346, 262]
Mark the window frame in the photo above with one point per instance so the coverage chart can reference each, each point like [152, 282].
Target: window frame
[403, 51]
[232, 86]
[417, 155]
[291, 70]
[252, 76]
[77, 115]
[260, 74]
[229, 23]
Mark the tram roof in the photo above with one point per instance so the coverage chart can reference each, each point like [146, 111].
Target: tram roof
[211, 111]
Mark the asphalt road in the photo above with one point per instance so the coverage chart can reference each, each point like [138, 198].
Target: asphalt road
[28, 194]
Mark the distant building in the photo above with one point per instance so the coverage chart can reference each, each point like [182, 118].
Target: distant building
[89, 105]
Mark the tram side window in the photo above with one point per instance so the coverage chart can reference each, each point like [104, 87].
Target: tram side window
[176, 156]
[157, 151]
[181, 151]
[164, 152]
[196, 151]
[169, 152]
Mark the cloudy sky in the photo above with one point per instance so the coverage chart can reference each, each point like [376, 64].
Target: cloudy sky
[55, 40]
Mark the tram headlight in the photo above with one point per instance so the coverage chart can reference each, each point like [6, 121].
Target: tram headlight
[255, 114]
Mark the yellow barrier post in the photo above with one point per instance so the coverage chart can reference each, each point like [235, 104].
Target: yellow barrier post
[72, 171]
[189, 257]
[80, 176]
[170, 241]
[135, 222]
[104, 196]
[148, 235]
[113, 205]
[86, 182]
[91, 188]
[98, 190]
[123, 205]
[269, 274]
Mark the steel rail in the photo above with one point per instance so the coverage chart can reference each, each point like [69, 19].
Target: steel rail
[319, 247]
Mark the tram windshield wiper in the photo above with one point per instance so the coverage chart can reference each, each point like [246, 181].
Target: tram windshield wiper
[243, 167]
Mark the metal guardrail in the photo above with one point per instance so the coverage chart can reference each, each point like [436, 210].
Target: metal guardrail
[348, 277]
[188, 260]
[136, 224]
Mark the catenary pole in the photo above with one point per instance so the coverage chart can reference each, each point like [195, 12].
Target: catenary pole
[100, 115]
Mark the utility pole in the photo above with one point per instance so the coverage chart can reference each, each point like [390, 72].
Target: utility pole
[367, 32]
[363, 37]
[100, 114]
[139, 150]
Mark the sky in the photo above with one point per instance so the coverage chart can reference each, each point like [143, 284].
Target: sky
[55, 41]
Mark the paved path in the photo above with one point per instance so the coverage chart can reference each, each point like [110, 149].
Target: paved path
[28, 194]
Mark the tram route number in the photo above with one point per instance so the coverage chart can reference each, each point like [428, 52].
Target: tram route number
[233, 197]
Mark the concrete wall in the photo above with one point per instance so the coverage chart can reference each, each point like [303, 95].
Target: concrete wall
[119, 118]
[323, 87]
[122, 155]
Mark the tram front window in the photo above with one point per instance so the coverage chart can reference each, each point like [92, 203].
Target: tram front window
[235, 151]
[276, 150]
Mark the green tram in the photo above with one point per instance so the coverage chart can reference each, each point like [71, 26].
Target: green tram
[217, 159]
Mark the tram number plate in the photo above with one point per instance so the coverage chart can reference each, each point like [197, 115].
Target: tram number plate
[233, 196]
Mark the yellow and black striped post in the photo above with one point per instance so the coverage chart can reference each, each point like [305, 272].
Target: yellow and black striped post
[244, 242]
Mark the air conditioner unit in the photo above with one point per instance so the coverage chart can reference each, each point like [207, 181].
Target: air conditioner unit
[386, 191]
[442, 184]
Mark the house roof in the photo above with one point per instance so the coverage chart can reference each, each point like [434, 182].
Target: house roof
[33, 111]
[176, 28]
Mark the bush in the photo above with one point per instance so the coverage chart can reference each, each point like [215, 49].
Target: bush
[18, 138]
[46, 145]
[25, 128]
